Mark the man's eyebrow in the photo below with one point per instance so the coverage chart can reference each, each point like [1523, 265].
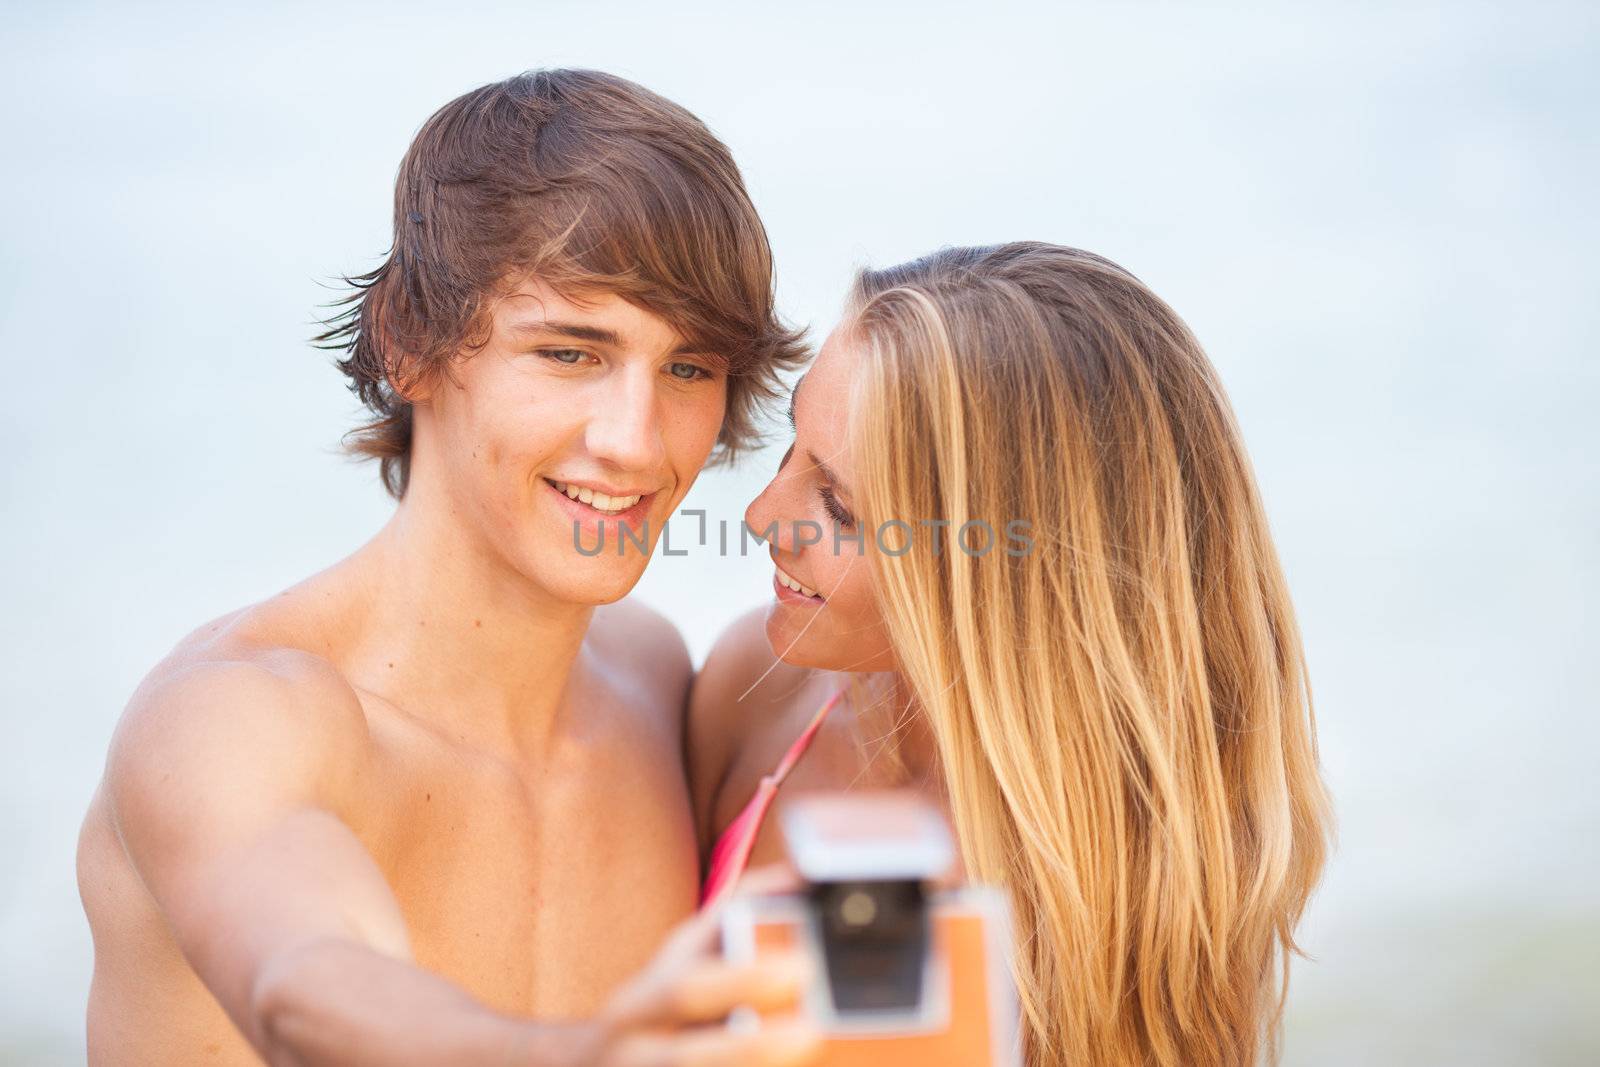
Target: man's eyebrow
[581, 332]
[576, 330]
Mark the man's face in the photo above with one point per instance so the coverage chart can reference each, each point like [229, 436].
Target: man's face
[601, 400]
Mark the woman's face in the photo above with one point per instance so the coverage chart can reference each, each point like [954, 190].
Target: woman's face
[806, 517]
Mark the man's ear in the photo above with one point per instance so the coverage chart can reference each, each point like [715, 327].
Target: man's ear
[407, 378]
[409, 382]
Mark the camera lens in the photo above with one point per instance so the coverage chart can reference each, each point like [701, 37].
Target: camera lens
[874, 943]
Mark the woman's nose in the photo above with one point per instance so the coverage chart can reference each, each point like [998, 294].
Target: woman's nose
[765, 517]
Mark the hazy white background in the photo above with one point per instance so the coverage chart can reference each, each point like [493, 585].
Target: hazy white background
[1380, 219]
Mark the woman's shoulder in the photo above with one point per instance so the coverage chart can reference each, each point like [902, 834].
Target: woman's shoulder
[741, 704]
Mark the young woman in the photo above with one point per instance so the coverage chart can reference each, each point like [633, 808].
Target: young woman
[1045, 593]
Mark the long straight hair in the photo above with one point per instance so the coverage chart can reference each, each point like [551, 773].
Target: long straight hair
[1120, 707]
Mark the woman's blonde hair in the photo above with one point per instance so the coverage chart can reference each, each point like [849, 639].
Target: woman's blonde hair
[1120, 706]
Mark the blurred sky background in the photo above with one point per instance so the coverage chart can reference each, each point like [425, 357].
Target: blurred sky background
[1380, 219]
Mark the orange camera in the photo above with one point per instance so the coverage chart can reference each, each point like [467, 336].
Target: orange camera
[907, 973]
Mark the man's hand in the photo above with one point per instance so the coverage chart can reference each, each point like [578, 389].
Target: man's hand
[673, 1012]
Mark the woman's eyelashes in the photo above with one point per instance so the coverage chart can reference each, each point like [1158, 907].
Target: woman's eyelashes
[830, 502]
[835, 510]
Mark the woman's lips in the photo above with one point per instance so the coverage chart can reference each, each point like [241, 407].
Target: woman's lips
[786, 583]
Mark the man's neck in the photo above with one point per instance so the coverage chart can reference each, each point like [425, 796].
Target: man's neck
[451, 635]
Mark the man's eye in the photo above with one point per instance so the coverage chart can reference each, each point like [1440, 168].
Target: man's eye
[568, 356]
[688, 371]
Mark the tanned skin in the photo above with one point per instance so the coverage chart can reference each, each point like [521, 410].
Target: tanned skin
[774, 667]
[436, 791]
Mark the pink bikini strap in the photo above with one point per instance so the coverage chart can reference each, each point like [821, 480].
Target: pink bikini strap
[803, 742]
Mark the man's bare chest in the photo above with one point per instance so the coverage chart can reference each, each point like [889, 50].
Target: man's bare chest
[538, 888]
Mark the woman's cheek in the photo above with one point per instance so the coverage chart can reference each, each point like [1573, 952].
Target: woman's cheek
[853, 597]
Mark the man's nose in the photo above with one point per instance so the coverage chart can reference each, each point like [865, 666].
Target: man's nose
[624, 427]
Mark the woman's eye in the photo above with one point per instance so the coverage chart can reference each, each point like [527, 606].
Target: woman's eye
[568, 356]
[688, 372]
[836, 510]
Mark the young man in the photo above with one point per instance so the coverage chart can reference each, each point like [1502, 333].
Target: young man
[436, 790]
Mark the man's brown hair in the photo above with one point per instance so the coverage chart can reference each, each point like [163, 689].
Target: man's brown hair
[590, 183]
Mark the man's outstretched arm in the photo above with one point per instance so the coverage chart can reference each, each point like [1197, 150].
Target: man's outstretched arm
[225, 784]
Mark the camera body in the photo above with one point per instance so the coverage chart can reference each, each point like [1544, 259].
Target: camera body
[907, 973]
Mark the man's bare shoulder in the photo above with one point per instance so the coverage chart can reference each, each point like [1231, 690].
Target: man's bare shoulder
[237, 684]
[223, 721]
[643, 651]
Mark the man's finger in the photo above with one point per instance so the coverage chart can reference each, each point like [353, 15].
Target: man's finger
[693, 937]
[707, 991]
[781, 1044]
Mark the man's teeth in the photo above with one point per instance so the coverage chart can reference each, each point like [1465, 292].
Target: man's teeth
[599, 501]
[784, 579]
